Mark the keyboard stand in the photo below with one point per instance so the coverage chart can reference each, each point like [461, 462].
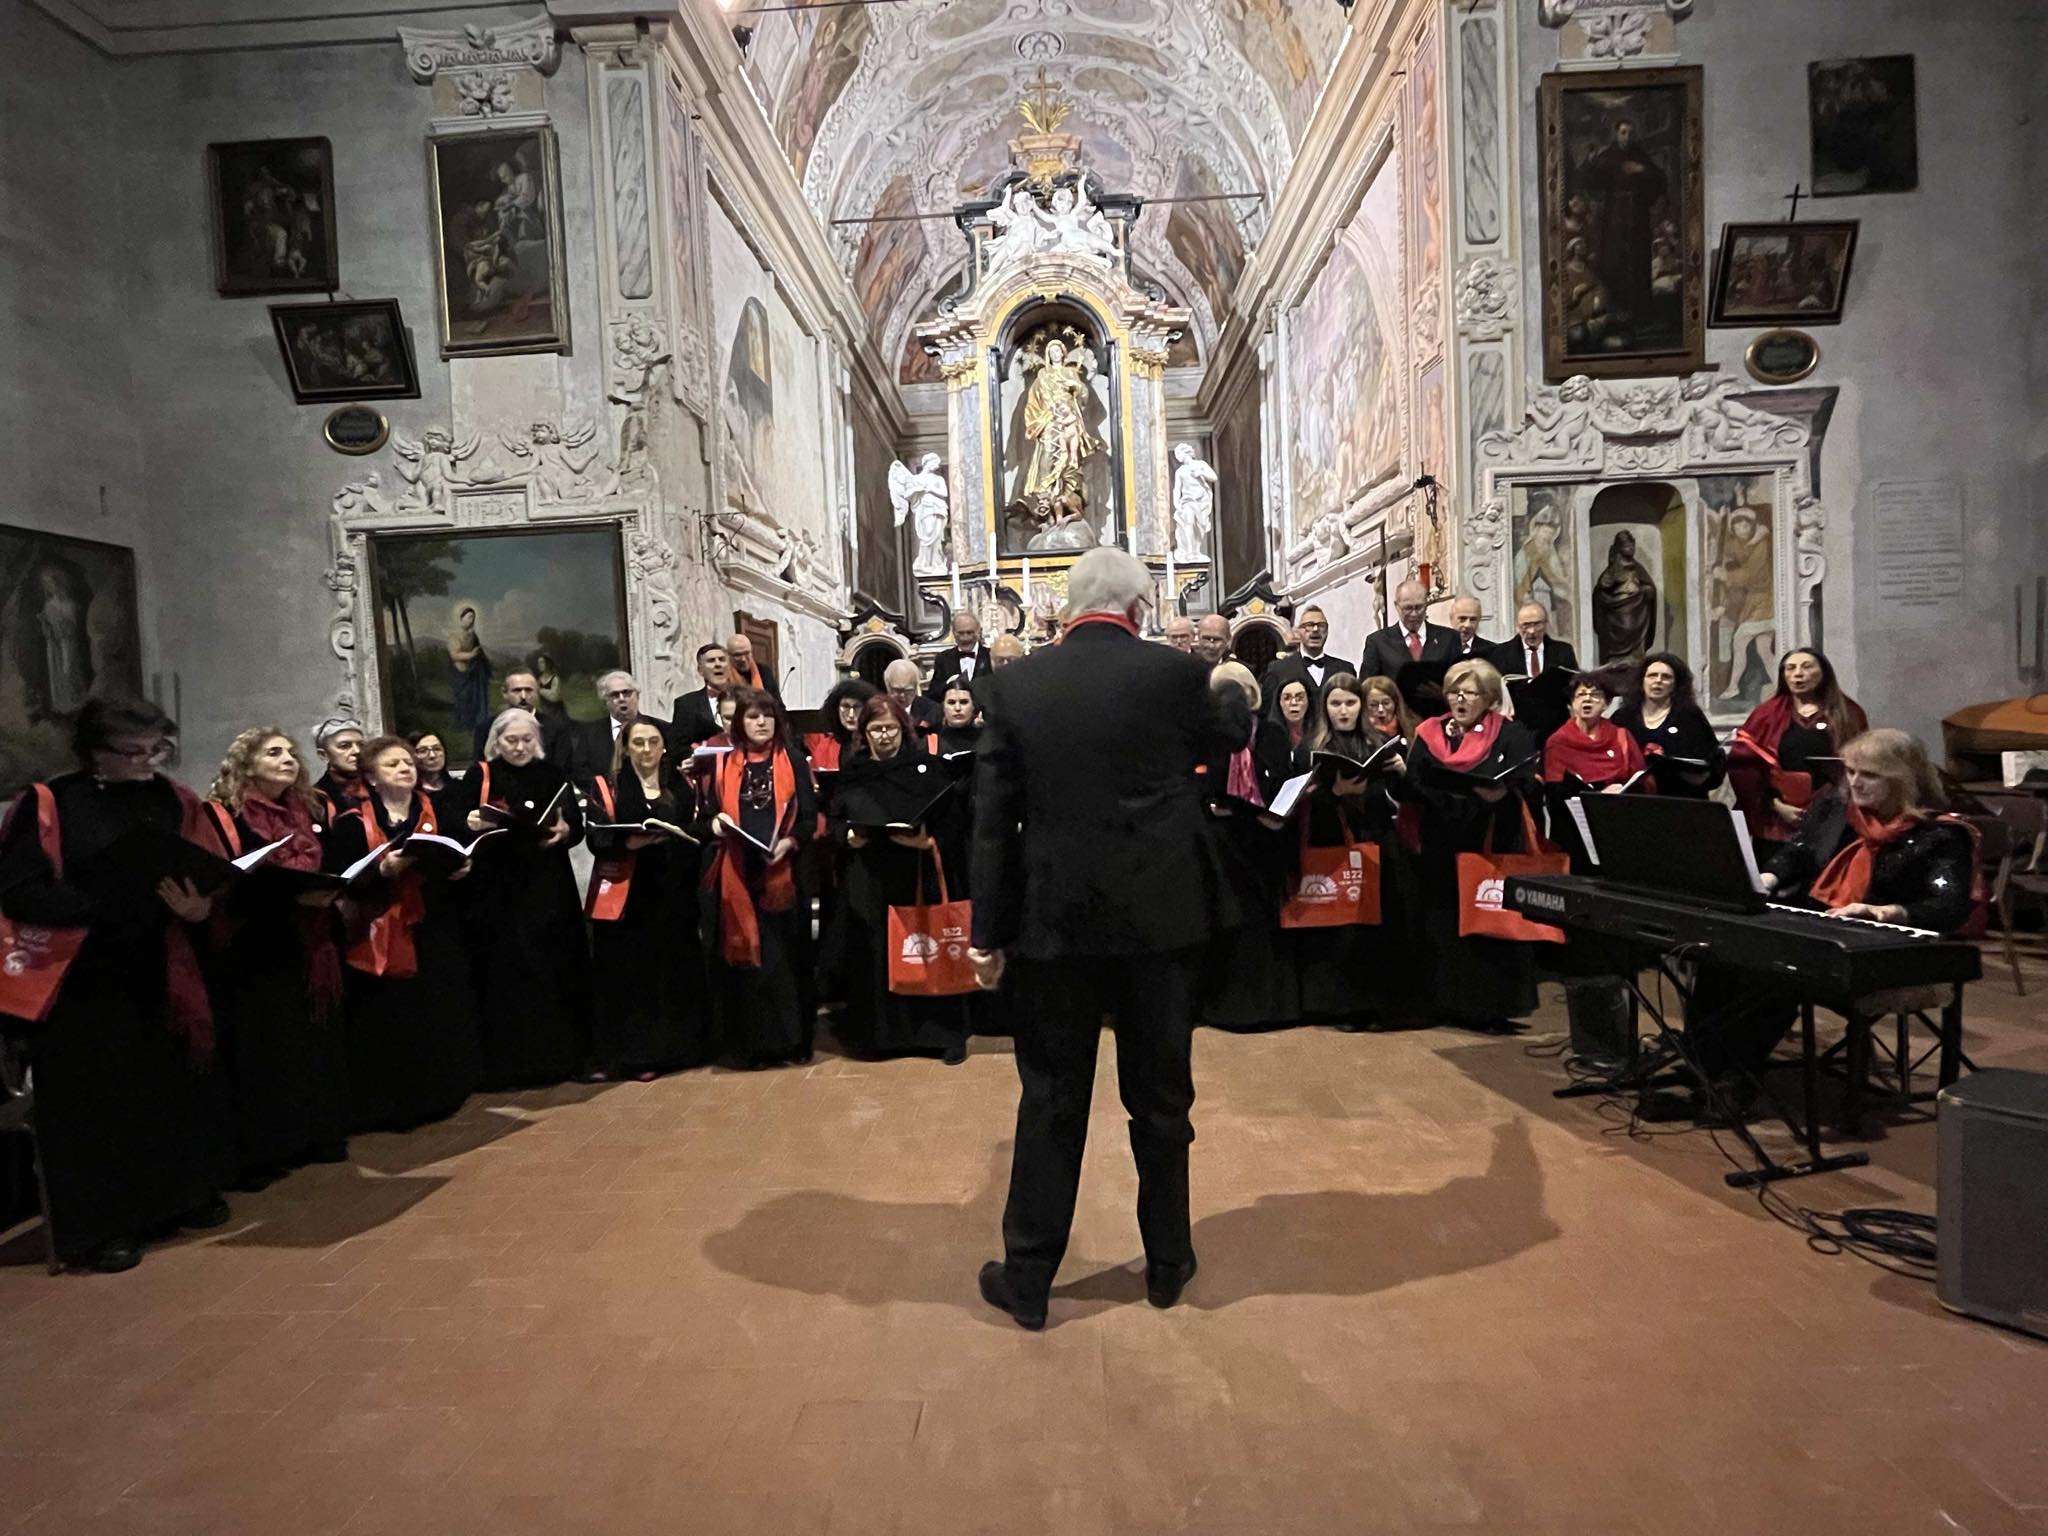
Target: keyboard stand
[1663, 1069]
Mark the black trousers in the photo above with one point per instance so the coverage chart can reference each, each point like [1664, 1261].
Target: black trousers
[1059, 1011]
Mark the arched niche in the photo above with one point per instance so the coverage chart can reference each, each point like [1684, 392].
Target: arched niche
[1255, 639]
[1032, 331]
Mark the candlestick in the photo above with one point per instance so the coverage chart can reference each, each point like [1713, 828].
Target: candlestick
[956, 584]
[1171, 590]
[1027, 585]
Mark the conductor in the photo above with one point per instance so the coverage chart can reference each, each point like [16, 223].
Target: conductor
[1095, 883]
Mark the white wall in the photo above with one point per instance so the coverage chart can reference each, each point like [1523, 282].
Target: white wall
[1935, 358]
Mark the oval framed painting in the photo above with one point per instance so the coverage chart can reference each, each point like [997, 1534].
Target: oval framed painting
[1781, 357]
[355, 430]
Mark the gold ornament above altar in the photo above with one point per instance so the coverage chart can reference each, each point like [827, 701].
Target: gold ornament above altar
[1044, 152]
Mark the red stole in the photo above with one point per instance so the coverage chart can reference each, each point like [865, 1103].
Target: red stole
[745, 892]
[1848, 875]
[386, 947]
[611, 874]
[1607, 755]
[1474, 744]
[289, 818]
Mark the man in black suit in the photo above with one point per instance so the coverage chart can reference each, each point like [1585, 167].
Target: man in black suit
[697, 710]
[969, 658]
[1465, 625]
[899, 681]
[1388, 650]
[592, 742]
[740, 663]
[1095, 885]
[1311, 664]
[1542, 703]
[520, 689]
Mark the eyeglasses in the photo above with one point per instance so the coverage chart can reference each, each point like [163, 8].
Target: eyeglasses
[623, 693]
[156, 752]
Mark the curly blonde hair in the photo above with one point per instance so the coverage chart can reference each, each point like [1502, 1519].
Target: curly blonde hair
[231, 784]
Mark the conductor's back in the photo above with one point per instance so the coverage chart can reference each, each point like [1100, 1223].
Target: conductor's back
[1091, 845]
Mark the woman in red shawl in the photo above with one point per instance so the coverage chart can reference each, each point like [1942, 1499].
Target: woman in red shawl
[1475, 983]
[126, 1124]
[1769, 766]
[277, 979]
[1595, 751]
[761, 806]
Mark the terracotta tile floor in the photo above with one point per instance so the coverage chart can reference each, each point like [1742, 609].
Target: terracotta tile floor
[1432, 1298]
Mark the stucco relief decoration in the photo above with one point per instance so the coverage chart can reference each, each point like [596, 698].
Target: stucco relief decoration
[432, 468]
[561, 463]
[638, 358]
[1485, 299]
[478, 69]
[1614, 31]
[1641, 426]
[1486, 535]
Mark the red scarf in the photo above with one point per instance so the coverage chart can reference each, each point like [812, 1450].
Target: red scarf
[1606, 756]
[611, 874]
[386, 947]
[751, 677]
[1242, 781]
[746, 888]
[290, 818]
[823, 747]
[1114, 620]
[1753, 772]
[1473, 746]
[1848, 875]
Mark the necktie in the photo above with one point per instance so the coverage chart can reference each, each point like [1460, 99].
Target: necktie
[1535, 662]
[1414, 645]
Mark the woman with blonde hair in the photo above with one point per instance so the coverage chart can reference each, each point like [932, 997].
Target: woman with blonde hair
[277, 976]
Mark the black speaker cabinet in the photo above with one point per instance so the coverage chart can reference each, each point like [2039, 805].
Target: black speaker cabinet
[1992, 1201]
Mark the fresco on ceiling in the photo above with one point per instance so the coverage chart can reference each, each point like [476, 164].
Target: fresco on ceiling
[1117, 10]
[890, 252]
[1203, 236]
[768, 385]
[917, 366]
[1347, 359]
[780, 37]
[963, 17]
[1266, 34]
[833, 56]
[1116, 84]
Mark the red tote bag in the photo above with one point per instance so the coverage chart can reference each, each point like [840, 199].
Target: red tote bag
[928, 943]
[1336, 887]
[1483, 912]
[34, 958]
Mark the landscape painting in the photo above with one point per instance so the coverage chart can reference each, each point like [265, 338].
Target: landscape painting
[1623, 266]
[68, 633]
[497, 201]
[456, 611]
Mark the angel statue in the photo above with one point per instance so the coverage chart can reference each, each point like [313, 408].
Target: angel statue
[1055, 426]
[430, 468]
[550, 455]
[1081, 228]
[1194, 505]
[1021, 228]
[919, 495]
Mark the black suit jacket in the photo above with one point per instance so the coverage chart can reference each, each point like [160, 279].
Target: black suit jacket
[696, 718]
[1386, 650]
[1293, 668]
[1543, 716]
[1482, 649]
[1090, 835]
[947, 667]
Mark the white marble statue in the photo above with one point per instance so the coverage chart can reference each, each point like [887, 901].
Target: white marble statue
[1022, 228]
[919, 495]
[1194, 505]
[1080, 228]
[431, 468]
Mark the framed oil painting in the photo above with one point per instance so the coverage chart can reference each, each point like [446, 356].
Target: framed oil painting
[355, 350]
[272, 203]
[456, 611]
[1771, 273]
[1863, 118]
[68, 633]
[497, 200]
[1623, 242]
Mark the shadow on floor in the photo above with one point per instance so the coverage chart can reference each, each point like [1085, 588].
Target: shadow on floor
[1322, 1243]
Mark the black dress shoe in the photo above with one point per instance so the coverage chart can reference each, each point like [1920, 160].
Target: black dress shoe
[1164, 1283]
[997, 1291]
[115, 1257]
[955, 1054]
[201, 1218]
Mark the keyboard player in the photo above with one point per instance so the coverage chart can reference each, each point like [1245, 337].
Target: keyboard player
[1879, 851]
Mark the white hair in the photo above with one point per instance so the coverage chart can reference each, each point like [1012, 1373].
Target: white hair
[901, 667]
[603, 683]
[1107, 580]
[511, 717]
[1238, 676]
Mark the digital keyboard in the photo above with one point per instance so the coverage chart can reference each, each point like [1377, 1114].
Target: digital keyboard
[1832, 960]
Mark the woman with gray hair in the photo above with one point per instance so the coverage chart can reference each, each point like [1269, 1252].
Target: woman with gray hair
[532, 964]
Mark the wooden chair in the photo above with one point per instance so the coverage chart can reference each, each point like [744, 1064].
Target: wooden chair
[2026, 820]
[1996, 844]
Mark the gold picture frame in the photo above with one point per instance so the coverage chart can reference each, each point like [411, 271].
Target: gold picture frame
[1781, 356]
[499, 252]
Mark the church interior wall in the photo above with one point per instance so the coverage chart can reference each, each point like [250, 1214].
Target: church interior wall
[1934, 358]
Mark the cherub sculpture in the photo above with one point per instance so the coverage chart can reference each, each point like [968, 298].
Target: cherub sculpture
[431, 468]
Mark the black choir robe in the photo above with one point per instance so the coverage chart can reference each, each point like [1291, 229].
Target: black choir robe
[652, 1013]
[878, 875]
[767, 1013]
[1248, 974]
[281, 1050]
[127, 1122]
[1357, 974]
[532, 956]
[1482, 981]
[410, 1042]
[1685, 732]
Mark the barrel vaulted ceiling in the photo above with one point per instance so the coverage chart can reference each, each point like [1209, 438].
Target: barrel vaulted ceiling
[908, 108]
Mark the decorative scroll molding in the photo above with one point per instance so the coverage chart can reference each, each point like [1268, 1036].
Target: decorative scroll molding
[1555, 13]
[1608, 32]
[488, 53]
[1643, 426]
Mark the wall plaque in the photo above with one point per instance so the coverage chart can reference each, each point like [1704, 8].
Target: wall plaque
[1781, 357]
[355, 429]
